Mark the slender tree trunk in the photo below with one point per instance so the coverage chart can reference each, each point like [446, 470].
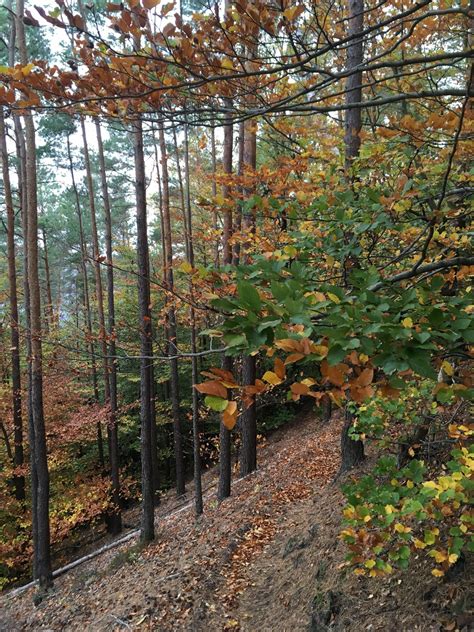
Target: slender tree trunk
[115, 519]
[248, 420]
[214, 193]
[18, 457]
[87, 305]
[42, 544]
[49, 311]
[353, 118]
[181, 192]
[171, 318]
[22, 188]
[238, 215]
[352, 452]
[198, 503]
[225, 444]
[146, 347]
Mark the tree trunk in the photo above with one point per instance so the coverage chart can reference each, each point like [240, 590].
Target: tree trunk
[171, 317]
[48, 310]
[42, 543]
[214, 193]
[22, 186]
[248, 420]
[87, 305]
[18, 457]
[115, 519]
[352, 452]
[198, 503]
[146, 346]
[353, 119]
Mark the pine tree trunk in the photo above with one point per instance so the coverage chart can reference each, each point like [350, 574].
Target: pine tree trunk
[48, 311]
[115, 519]
[225, 440]
[42, 543]
[18, 457]
[22, 174]
[198, 503]
[87, 305]
[171, 318]
[146, 346]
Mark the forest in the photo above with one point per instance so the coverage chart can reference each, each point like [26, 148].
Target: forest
[235, 306]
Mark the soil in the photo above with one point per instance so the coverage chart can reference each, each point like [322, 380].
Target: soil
[266, 559]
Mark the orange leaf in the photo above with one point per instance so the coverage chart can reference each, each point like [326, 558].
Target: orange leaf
[299, 389]
[288, 344]
[334, 374]
[230, 414]
[279, 368]
[366, 377]
[359, 394]
[150, 4]
[212, 388]
[294, 357]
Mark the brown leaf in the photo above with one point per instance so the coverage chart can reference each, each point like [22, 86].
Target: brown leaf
[212, 388]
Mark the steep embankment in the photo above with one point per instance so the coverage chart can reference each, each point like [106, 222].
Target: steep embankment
[267, 559]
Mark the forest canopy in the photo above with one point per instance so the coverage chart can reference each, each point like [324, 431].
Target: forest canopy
[216, 213]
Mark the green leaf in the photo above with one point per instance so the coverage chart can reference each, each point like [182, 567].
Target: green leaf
[419, 362]
[249, 296]
[216, 403]
[336, 354]
[235, 340]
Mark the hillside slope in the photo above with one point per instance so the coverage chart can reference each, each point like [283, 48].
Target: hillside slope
[266, 559]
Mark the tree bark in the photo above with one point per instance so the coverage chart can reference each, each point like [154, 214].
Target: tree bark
[115, 519]
[42, 543]
[18, 457]
[22, 187]
[248, 419]
[87, 305]
[355, 52]
[171, 317]
[198, 502]
[48, 309]
[146, 346]
[352, 452]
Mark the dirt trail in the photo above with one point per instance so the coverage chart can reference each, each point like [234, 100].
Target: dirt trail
[266, 559]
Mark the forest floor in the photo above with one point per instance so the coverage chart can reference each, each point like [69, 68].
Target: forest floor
[268, 559]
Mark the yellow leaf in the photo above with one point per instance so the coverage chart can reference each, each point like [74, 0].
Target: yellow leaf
[334, 298]
[437, 572]
[319, 350]
[447, 368]
[419, 544]
[407, 322]
[389, 509]
[227, 63]
[186, 267]
[271, 378]
[440, 556]
[370, 564]
[453, 558]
